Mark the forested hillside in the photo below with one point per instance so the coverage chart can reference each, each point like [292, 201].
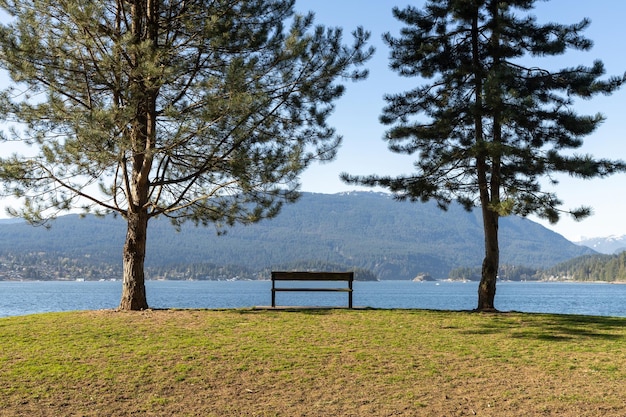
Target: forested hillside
[369, 231]
[610, 268]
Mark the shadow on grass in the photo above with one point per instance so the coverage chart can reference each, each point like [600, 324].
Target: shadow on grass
[539, 326]
[567, 327]
[314, 311]
[554, 327]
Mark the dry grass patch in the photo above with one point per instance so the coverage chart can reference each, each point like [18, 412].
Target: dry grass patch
[311, 363]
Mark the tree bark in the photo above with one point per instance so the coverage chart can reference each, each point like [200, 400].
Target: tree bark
[142, 136]
[491, 262]
[133, 287]
[490, 190]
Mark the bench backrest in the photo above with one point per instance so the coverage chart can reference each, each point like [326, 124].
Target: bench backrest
[312, 276]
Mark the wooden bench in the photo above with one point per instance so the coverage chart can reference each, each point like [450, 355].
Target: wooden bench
[312, 276]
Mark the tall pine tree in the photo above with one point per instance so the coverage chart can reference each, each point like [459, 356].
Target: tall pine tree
[489, 126]
[196, 110]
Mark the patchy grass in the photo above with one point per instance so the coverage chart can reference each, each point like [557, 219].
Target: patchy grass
[311, 363]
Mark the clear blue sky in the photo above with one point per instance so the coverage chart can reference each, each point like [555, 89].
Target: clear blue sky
[356, 116]
[364, 151]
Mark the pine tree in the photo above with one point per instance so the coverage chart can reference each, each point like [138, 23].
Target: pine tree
[489, 126]
[203, 111]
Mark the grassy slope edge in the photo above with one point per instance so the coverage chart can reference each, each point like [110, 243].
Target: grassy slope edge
[311, 363]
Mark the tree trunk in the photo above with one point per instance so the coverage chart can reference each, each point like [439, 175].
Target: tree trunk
[491, 262]
[134, 287]
[487, 286]
[142, 134]
[489, 180]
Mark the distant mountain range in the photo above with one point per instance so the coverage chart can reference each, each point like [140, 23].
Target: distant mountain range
[607, 245]
[372, 231]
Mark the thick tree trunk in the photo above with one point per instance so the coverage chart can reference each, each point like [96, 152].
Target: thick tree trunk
[491, 262]
[142, 134]
[487, 286]
[488, 166]
[134, 288]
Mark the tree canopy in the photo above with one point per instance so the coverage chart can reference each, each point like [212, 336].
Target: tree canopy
[196, 110]
[486, 124]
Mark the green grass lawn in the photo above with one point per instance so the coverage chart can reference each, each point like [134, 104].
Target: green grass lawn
[311, 363]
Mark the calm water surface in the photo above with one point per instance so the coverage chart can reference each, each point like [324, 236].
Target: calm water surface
[20, 298]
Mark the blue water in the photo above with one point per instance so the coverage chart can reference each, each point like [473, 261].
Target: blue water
[21, 298]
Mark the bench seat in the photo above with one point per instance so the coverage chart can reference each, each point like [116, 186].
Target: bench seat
[313, 277]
